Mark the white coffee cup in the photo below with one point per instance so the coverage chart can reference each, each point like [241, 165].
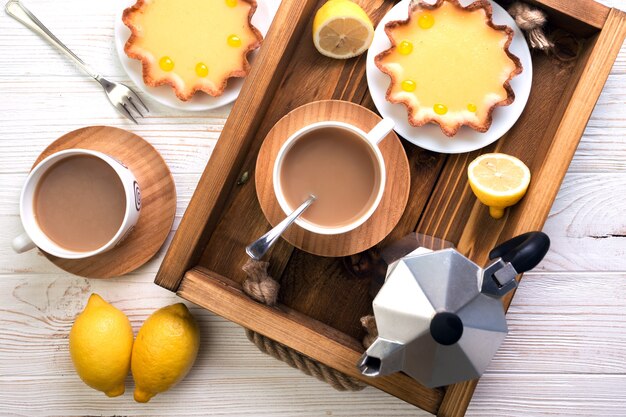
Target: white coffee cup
[34, 236]
[372, 138]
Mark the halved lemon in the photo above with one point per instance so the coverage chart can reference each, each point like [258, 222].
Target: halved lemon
[342, 29]
[498, 180]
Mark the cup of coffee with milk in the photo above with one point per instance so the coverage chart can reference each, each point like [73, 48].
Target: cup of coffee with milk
[78, 203]
[338, 163]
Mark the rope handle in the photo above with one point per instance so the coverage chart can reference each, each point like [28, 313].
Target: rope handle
[531, 20]
[261, 287]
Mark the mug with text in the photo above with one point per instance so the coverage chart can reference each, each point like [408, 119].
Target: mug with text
[78, 203]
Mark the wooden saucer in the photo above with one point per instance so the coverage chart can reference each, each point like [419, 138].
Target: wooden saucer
[394, 199]
[158, 200]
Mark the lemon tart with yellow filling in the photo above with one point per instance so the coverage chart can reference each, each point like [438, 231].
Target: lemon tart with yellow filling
[449, 64]
[193, 45]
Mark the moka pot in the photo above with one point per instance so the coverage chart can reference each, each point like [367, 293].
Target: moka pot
[439, 315]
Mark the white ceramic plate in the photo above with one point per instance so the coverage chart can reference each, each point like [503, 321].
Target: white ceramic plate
[262, 19]
[430, 136]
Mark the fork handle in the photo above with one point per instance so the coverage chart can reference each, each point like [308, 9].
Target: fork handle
[20, 13]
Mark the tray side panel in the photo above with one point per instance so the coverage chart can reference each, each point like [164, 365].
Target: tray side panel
[583, 17]
[565, 131]
[221, 173]
[291, 328]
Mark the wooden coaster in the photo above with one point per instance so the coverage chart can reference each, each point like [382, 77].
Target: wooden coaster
[394, 199]
[158, 200]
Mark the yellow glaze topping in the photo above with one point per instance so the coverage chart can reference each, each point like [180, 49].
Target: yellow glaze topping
[234, 41]
[166, 64]
[426, 21]
[409, 85]
[202, 70]
[440, 109]
[459, 63]
[206, 39]
[405, 48]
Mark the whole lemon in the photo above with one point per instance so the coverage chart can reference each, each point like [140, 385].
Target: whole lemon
[101, 342]
[165, 349]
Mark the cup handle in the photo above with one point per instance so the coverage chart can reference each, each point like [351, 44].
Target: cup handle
[22, 243]
[380, 131]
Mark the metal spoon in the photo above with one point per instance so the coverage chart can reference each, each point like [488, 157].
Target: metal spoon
[259, 247]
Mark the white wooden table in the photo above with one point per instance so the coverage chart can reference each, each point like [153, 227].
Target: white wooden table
[565, 355]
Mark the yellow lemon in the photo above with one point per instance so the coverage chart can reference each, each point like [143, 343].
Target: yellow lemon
[342, 29]
[165, 349]
[498, 180]
[101, 342]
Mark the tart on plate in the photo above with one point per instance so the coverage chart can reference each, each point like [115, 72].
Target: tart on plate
[192, 45]
[449, 64]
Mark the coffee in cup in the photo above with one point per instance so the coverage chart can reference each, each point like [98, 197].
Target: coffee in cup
[338, 163]
[78, 203]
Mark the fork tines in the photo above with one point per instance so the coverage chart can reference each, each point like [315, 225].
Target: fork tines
[126, 101]
[132, 100]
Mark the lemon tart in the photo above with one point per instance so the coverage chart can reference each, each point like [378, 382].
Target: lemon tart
[449, 64]
[192, 45]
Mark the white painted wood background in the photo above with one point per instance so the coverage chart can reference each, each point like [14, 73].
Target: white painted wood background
[565, 355]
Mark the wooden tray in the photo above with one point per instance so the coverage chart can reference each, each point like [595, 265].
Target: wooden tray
[322, 299]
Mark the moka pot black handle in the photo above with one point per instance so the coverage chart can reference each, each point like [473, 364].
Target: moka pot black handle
[524, 252]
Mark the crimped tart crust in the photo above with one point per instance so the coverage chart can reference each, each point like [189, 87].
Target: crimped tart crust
[154, 75]
[478, 116]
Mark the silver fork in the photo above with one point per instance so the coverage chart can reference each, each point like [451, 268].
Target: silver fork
[122, 97]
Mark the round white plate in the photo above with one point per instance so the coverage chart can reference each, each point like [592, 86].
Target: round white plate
[430, 136]
[164, 94]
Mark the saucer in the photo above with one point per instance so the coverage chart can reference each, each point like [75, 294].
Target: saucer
[391, 207]
[164, 94]
[158, 200]
[430, 136]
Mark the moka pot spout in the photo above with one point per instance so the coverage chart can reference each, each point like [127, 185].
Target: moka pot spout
[383, 357]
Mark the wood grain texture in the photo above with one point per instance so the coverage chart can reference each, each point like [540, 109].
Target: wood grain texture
[228, 237]
[544, 140]
[158, 200]
[550, 156]
[308, 337]
[219, 179]
[395, 196]
[585, 219]
[310, 77]
[566, 354]
[563, 357]
[569, 13]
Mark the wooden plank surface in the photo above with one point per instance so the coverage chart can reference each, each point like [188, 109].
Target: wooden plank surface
[564, 356]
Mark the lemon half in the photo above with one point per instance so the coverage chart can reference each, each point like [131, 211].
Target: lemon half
[498, 180]
[342, 29]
